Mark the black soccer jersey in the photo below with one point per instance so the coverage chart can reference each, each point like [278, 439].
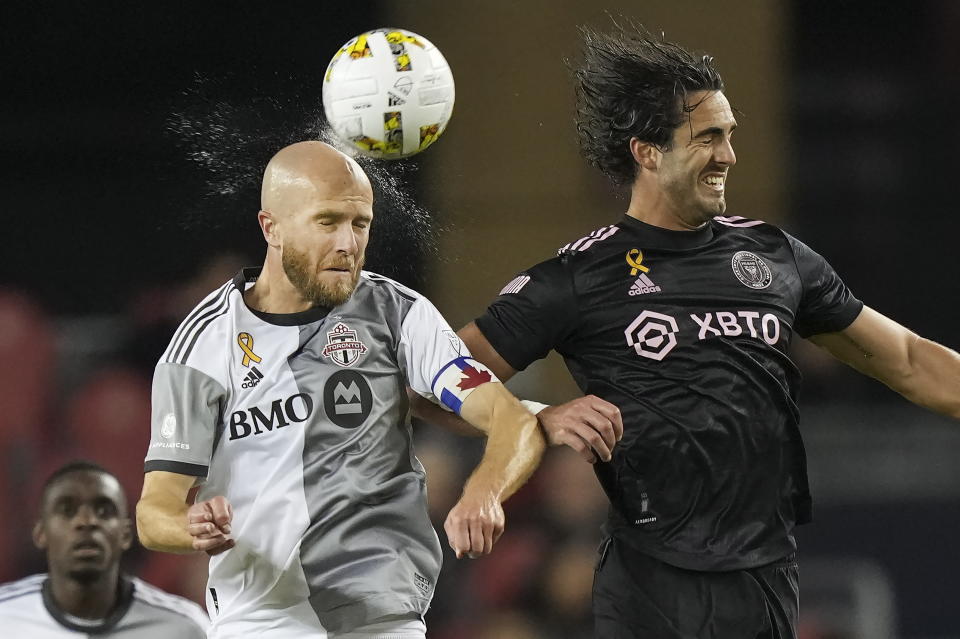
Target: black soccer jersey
[687, 332]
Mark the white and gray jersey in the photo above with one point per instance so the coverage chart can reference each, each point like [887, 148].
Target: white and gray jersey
[28, 611]
[299, 420]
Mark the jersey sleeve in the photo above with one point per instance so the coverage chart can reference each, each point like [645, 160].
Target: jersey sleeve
[826, 305]
[437, 363]
[533, 314]
[184, 419]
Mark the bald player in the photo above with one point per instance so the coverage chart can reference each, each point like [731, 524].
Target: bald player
[282, 395]
[84, 529]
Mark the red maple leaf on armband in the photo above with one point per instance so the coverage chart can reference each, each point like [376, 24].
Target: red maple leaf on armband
[473, 378]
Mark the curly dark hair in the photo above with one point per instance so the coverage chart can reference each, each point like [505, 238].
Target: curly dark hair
[631, 84]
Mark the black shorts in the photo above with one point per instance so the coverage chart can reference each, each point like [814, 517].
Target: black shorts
[638, 597]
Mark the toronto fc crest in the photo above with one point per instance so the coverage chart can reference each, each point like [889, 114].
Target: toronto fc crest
[343, 347]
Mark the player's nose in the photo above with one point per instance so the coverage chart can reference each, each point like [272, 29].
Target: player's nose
[346, 240]
[85, 517]
[723, 153]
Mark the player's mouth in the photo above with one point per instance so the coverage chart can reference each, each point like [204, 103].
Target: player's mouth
[715, 182]
[346, 269]
[86, 549]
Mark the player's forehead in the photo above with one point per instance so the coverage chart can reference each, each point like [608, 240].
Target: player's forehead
[346, 206]
[85, 486]
[711, 110]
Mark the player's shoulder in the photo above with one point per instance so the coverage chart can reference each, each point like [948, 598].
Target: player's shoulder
[16, 590]
[742, 228]
[383, 286]
[207, 320]
[592, 243]
[149, 595]
[739, 225]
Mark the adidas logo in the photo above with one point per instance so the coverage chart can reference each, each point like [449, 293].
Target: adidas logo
[252, 378]
[643, 285]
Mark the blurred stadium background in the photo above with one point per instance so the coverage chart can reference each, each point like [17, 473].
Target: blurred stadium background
[133, 135]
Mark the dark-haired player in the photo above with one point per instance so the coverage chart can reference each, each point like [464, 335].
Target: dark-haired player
[682, 318]
[84, 529]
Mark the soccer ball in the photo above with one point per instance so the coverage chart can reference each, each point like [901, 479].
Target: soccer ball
[388, 93]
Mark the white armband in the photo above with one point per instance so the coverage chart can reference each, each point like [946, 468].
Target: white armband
[533, 407]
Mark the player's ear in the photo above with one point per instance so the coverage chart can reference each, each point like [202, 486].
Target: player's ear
[645, 154]
[39, 535]
[269, 227]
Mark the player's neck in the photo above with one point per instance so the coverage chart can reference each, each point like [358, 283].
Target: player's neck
[87, 600]
[652, 206]
[273, 292]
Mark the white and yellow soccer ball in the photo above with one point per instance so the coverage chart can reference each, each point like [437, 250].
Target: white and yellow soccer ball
[388, 93]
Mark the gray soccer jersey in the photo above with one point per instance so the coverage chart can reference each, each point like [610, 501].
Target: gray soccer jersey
[300, 421]
[28, 611]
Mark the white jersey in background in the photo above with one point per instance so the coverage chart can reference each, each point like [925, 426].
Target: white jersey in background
[28, 611]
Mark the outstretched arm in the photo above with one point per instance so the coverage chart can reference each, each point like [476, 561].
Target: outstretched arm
[167, 523]
[923, 371]
[514, 449]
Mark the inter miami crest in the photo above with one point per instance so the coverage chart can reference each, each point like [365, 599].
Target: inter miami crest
[751, 270]
[343, 347]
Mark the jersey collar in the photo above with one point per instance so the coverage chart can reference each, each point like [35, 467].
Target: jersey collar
[91, 627]
[656, 236]
[249, 275]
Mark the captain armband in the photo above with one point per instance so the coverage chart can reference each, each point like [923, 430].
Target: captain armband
[460, 377]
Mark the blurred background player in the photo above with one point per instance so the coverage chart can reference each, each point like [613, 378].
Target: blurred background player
[84, 529]
[282, 395]
[682, 318]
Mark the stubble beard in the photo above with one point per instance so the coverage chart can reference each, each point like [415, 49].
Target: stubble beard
[700, 210]
[307, 280]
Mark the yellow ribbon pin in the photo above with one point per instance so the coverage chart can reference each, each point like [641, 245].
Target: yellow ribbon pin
[245, 340]
[634, 259]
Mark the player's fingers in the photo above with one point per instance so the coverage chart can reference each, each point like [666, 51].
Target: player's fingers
[475, 537]
[204, 529]
[487, 528]
[602, 425]
[199, 512]
[588, 431]
[457, 535]
[222, 513]
[206, 545]
[574, 441]
[611, 412]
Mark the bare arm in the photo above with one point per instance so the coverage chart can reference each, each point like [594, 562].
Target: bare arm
[429, 412]
[514, 449]
[923, 371]
[167, 523]
[588, 425]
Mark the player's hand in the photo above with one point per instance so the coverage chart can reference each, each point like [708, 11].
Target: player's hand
[588, 425]
[474, 524]
[208, 522]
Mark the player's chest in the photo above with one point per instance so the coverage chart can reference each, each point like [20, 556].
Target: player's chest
[324, 379]
[648, 300]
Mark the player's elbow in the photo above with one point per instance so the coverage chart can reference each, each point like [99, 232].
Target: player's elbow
[146, 521]
[143, 521]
